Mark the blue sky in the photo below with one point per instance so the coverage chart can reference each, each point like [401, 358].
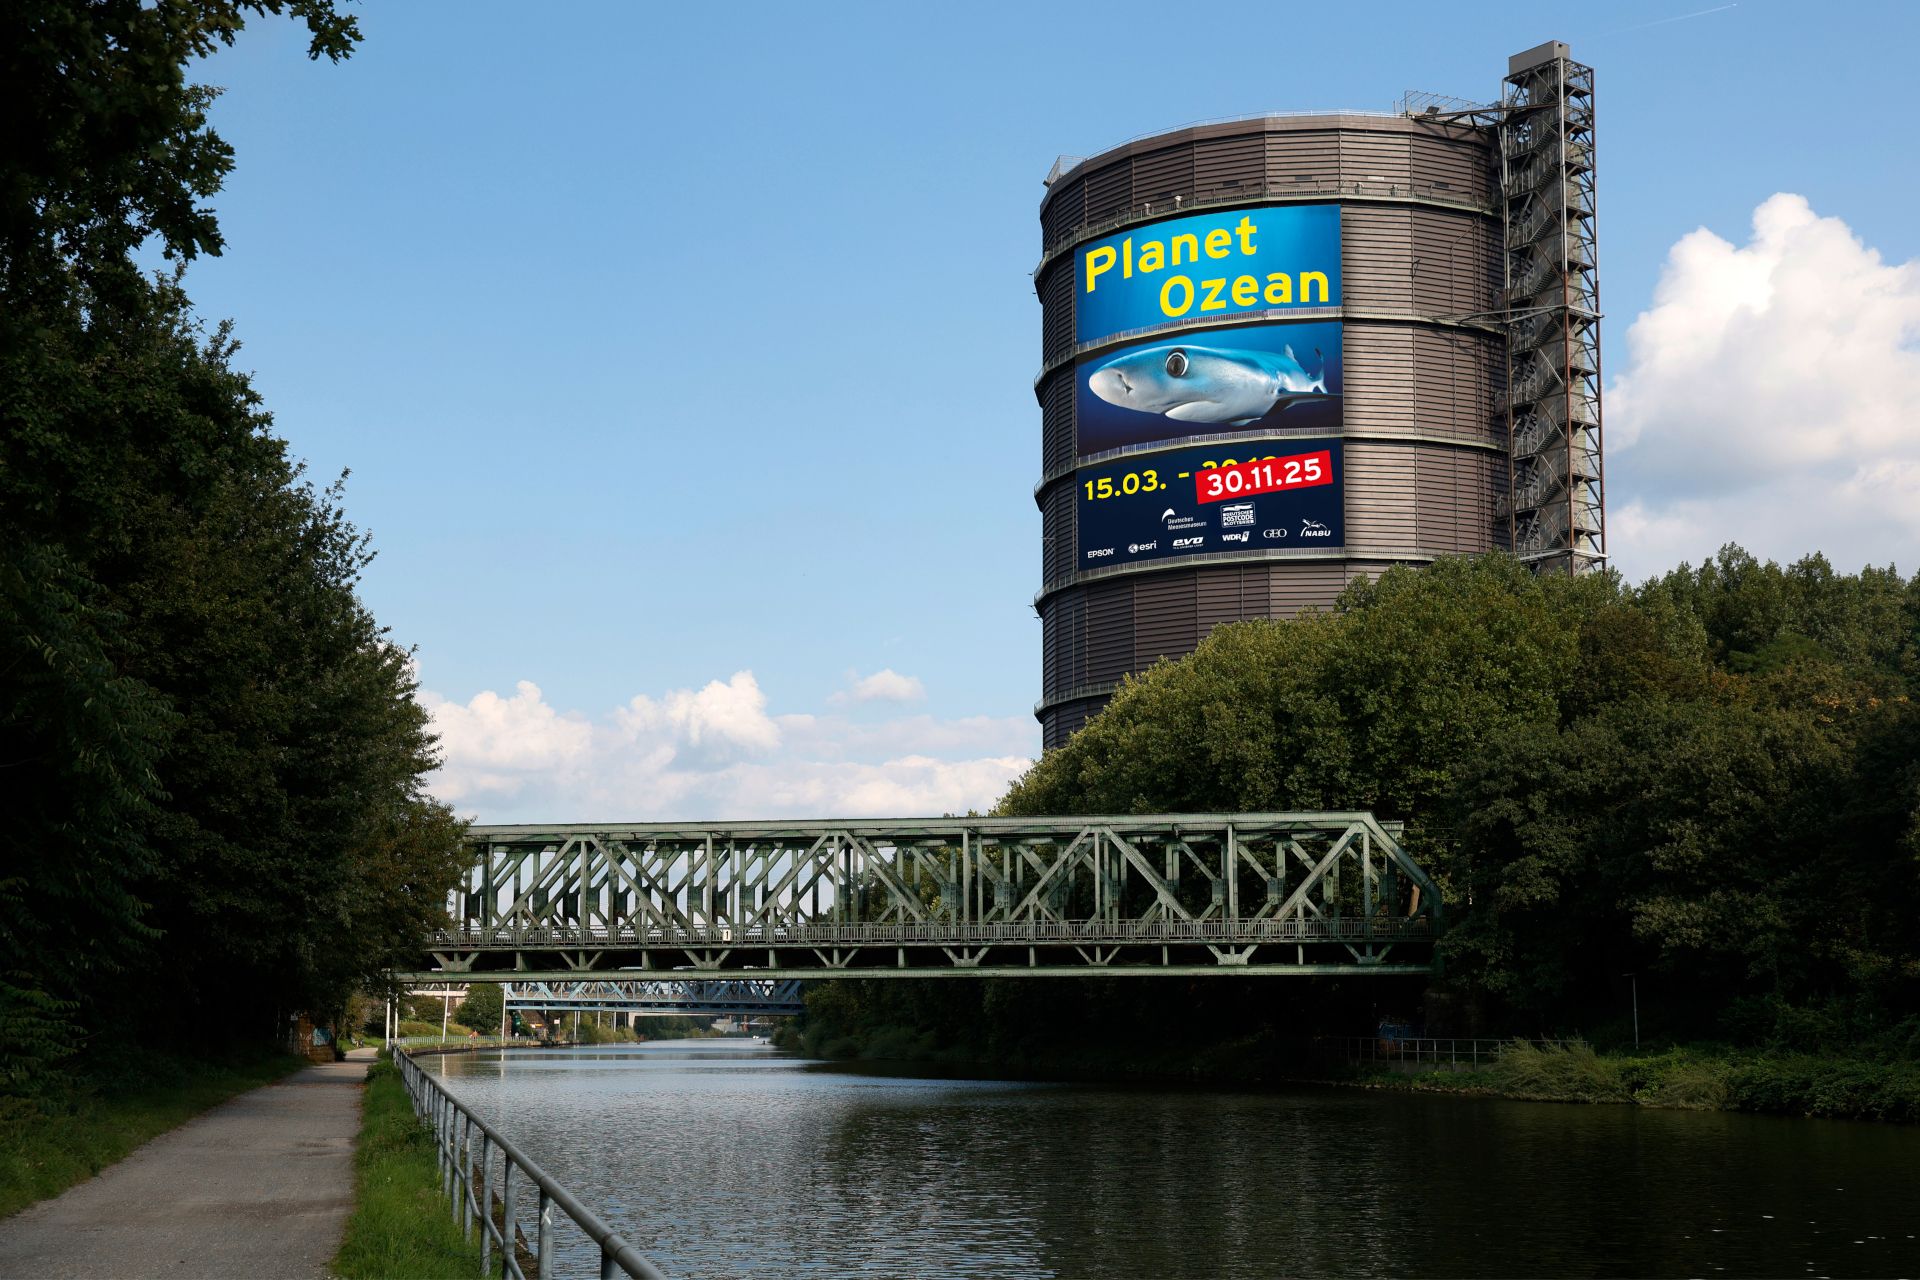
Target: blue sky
[668, 344]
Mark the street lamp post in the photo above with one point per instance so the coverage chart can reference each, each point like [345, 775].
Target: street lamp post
[1634, 978]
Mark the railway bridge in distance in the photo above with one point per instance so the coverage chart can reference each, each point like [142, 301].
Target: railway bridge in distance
[1224, 895]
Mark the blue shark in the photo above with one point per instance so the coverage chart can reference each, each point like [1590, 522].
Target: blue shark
[1206, 384]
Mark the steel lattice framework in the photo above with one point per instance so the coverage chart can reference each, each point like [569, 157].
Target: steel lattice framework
[1267, 893]
[661, 997]
[1545, 140]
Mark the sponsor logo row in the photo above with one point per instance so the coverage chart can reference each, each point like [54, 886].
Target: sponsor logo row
[1308, 529]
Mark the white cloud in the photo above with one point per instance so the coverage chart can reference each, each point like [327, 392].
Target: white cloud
[719, 722]
[885, 685]
[1769, 399]
[502, 743]
[714, 753]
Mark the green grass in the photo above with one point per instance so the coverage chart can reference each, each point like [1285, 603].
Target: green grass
[51, 1143]
[401, 1226]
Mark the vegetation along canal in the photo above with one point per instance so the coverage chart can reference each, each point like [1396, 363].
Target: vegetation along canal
[726, 1158]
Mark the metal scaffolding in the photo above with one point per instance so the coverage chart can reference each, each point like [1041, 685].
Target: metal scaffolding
[1551, 407]
[1257, 893]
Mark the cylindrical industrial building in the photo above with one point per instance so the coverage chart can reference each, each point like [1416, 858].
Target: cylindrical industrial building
[1285, 352]
[1401, 216]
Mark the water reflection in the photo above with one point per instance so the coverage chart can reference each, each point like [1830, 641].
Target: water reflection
[723, 1159]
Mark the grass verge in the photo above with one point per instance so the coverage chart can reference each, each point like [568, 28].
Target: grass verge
[401, 1226]
[49, 1144]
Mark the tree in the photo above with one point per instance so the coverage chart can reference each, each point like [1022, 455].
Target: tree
[1712, 776]
[483, 1008]
[218, 747]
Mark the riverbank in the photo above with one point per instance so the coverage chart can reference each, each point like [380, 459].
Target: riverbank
[401, 1225]
[51, 1143]
[1692, 1078]
[1707, 1079]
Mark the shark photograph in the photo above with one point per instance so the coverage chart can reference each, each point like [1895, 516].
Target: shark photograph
[1225, 380]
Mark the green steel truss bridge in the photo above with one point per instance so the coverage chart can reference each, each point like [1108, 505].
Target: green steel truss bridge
[661, 997]
[1196, 894]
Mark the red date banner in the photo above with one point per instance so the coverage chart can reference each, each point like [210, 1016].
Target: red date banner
[1264, 475]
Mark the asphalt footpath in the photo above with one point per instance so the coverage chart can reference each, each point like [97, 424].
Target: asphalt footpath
[259, 1186]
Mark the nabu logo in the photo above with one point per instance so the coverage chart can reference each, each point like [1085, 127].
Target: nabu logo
[1314, 529]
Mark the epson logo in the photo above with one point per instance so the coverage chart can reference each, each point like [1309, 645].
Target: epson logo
[1242, 536]
[1182, 543]
[1095, 555]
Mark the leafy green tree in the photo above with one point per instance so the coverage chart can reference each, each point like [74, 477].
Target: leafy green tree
[482, 1008]
[218, 747]
[1711, 780]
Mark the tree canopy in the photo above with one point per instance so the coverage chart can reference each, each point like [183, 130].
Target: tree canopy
[1713, 777]
[213, 747]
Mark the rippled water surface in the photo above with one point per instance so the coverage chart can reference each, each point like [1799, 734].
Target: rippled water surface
[719, 1158]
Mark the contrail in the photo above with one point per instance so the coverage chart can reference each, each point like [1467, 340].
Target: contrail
[1661, 22]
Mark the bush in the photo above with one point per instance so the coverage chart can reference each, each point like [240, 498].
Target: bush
[1844, 1089]
[1570, 1074]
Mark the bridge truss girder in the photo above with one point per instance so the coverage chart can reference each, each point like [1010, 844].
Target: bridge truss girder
[1260, 893]
[711, 997]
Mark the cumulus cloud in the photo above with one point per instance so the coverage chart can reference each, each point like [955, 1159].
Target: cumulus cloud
[885, 685]
[1769, 398]
[502, 744]
[719, 722]
[714, 752]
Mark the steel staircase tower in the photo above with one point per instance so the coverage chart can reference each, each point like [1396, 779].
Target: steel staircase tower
[1544, 136]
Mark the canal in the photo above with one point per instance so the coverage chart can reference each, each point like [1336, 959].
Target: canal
[723, 1158]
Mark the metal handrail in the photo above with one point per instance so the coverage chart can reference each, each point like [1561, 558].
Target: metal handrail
[472, 1194]
[1270, 929]
[1453, 1050]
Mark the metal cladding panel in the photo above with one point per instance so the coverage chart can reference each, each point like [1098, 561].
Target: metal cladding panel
[1461, 502]
[1303, 159]
[1062, 722]
[1162, 175]
[1166, 616]
[1455, 164]
[1219, 596]
[1225, 166]
[1056, 422]
[1376, 257]
[1381, 491]
[1064, 650]
[1455, 263]
[1380, 373]
[1065, 209]
[1376, 157]
[1110, 632]
[1456, 373]
[1109, 191]
[1057, 533]
[1056, 311]
[1296, 588]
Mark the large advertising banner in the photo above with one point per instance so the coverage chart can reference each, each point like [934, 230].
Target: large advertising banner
[1208, 266]
[1237, 496]
[1251, 378]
